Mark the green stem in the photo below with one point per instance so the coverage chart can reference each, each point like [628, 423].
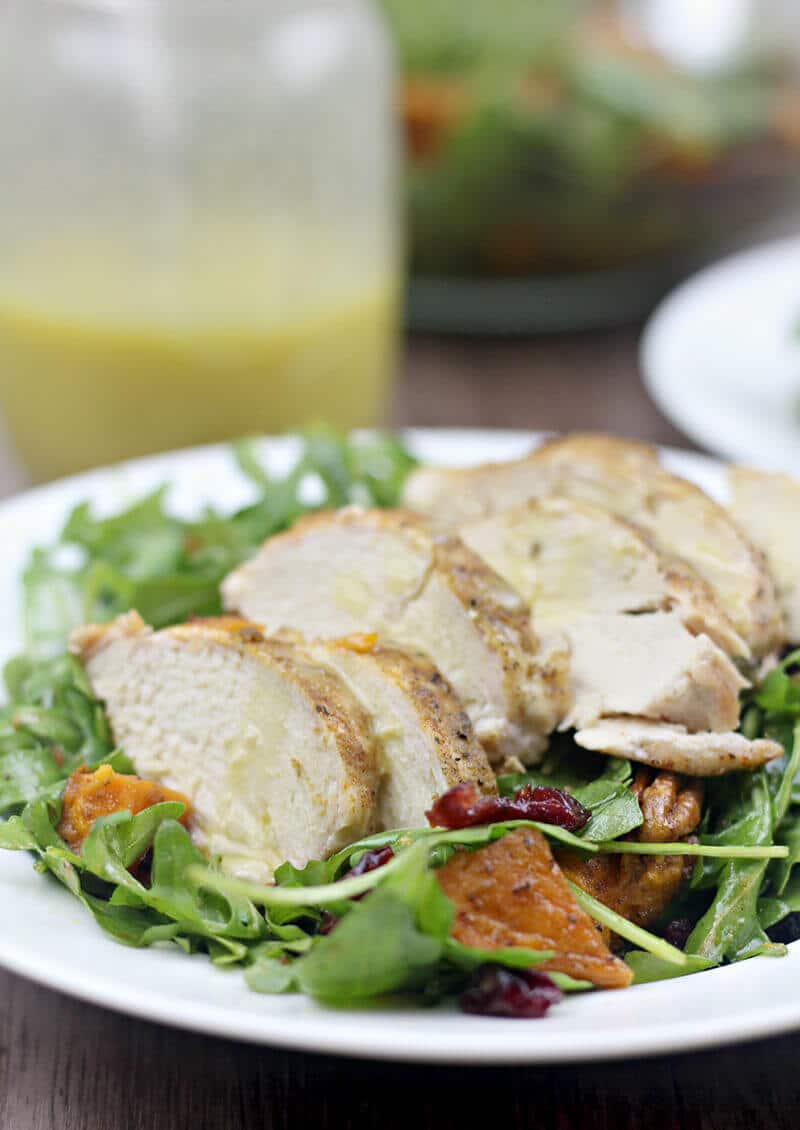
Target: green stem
[294, 896]
[784, 794]
[714, 851]
[791, 660]
[642, 938]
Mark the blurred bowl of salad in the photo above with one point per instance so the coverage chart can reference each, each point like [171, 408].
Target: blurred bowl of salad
[566, 160]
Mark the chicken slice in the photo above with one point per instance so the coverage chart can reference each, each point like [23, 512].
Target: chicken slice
[383, 571]
[569, 558]
[670, 747]
[453, 496]
[650, 666]
[767, 504]
[274, 753]
[628, 479]
[425, 740]
[512, 893]
[596, 579]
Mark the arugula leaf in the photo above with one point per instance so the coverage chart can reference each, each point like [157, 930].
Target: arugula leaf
[376, 949]
[407, 915]
[601, 784]
[469, 958]
[168, 569]
[14, 836]
[772, 909]
[121, 839]
[789, 834]
[52, 725]
[52, 605]
[648, 967]
[271, 972]
[131, 926]
[172, 908]
[746, 812]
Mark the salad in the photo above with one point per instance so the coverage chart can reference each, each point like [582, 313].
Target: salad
[577, 871]
[550, 139]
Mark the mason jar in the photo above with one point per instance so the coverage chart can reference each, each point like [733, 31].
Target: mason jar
[198, 222]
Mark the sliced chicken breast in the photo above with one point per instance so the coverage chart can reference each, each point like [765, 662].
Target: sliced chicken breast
[672, 748]
[650, 666]
[767, 505]
[595, 578]
[682, 519]
[452, 497]
[383, 571]
[627, 479]
[274, 752]
[425, 740]
[570, 558]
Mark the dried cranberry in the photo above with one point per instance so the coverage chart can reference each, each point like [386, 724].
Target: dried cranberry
[677, 932]
[463, 806]
[517, 994]
[370, 860]
[327, 922]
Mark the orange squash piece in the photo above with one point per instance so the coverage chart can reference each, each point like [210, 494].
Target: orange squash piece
[99, 792]
[512, 893]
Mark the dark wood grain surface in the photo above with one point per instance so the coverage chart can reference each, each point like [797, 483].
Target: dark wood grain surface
[65, 1065]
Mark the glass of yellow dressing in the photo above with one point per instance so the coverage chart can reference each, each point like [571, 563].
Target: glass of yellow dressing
[198, 230]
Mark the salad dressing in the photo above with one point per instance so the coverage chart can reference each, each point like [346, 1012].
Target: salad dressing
[130, 358]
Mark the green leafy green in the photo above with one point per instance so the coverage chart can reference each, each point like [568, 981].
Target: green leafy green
[170, 908]
[51, 725]
[397, 939]
[169, 569]
[744, 809]
[349, 964]
[470, 958]
[632, 933]
[14, 836]
[649, 967]
[601, 784]
[533, 140]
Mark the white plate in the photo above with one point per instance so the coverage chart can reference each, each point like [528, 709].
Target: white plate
[720, 358]
[45, 935]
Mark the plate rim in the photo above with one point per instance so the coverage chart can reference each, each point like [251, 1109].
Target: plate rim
[341, 1032]
[668, 393]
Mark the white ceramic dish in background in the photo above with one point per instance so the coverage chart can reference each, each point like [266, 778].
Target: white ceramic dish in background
[721, 356]
[45, 935]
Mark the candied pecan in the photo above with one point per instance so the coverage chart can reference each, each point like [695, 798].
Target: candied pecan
[639, 887]
[671, 805]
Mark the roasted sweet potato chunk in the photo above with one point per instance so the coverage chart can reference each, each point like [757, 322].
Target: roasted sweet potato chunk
[512, 893]
[99, 792]
[641, 887]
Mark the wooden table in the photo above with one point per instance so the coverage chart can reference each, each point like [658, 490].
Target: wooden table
[69, 1066]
